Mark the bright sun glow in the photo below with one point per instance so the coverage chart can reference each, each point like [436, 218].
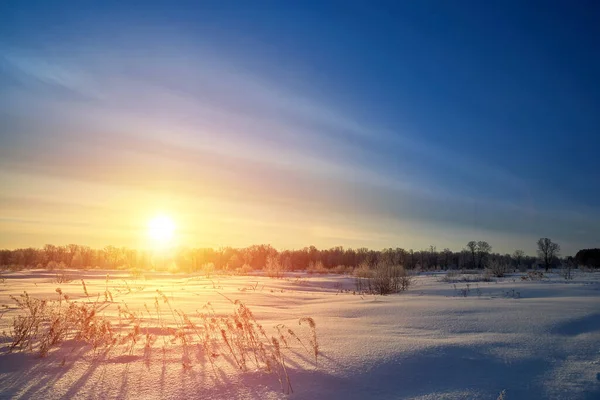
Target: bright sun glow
[161, 229]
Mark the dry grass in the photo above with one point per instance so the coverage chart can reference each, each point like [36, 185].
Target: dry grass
[313, 335]
[533, 276]
[62, 277]
[42, 325]
[467, 277]
[136, 273]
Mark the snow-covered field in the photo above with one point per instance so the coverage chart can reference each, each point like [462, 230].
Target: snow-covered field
[533, 339]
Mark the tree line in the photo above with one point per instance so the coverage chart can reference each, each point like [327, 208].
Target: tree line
[475, 255]
[588, 257]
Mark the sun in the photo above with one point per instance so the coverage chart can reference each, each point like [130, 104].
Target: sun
[161, 229]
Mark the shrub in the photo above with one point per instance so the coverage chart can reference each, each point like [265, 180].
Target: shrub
[390, 279]
[535, 275]
[136, 273]
[486, 276]
[62, 277]
[274, 269]
[451, 276]
[498, 269]
[317, 268]
[363, 271]
[584, 268]
[566, 272]
[208, 269]
[52, 265]
[245, 269]
[383, 279]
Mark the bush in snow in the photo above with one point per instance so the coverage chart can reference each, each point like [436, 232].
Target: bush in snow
[245, 269]
[274, 269]
[534, 276]
[316, 268]
[383, 279]
[208, 269]
[52, 265]
[498, 269]
[364, 270]
[566, 271]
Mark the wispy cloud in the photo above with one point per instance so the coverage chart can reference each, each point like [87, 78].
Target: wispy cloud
[191, 124]
[201, 104]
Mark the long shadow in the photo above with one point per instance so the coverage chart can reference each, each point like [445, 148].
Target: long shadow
[432, 372]
[574, 327]
[124, 383]
[302, 355]
[76, 386]
[40, 375]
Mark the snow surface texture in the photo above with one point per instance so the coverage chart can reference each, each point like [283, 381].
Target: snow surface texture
[440, 339]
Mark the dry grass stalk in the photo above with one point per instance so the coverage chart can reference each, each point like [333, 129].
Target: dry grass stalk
[42, 325]
[313, 335]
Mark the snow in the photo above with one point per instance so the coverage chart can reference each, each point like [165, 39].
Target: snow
[534, 339]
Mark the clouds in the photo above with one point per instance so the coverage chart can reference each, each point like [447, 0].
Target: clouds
[168, 125]
[196, 102]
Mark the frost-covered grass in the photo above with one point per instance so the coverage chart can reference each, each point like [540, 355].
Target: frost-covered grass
[431, 341]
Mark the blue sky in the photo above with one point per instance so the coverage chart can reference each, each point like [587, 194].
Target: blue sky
[354, 123]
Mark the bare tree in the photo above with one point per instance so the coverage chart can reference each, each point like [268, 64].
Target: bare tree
[483, 250]
[518, 256]
[87, 255]
[447, 257]
[51, 252]
[547, 251]
[71, 251]
[569, 264]
[411, 259]
[112, 255]
[472, 248]
[423, 259]
[129, 257]
[433, 257]
[61, 252]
